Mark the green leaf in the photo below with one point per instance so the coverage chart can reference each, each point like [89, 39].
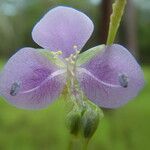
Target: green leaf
[52, 57]
[115, 18]
[89, 54]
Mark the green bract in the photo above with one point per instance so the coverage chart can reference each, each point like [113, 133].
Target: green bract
[81, 59]
[89, 54]
[52, 57]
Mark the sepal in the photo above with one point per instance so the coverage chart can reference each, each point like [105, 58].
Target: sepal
[53, 57]
[89, 54]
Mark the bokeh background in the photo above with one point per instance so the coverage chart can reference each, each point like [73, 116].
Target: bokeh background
[127, 128]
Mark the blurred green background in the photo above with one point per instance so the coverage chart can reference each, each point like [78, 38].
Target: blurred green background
[127, 128]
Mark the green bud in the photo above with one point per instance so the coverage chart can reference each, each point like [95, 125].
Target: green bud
[90, 120]
[83, 118]
[73, 121]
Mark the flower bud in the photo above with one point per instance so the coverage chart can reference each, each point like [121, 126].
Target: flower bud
[90, 120]
[73, 121]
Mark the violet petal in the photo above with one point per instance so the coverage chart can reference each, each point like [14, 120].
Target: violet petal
[61, 29]
[30, 81]
[115, 77]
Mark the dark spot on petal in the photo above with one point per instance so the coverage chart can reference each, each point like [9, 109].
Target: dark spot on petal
[14, 89]
[123, 80]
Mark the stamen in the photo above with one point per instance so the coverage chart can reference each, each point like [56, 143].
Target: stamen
[75, 47]
[71, 56]
[14, 89]
[55, 56]
[53, 53]
[123, 80]
[67, 59]
[72, 73]
[72, 62]
[59, 52]
[77, 52]
[74, 57]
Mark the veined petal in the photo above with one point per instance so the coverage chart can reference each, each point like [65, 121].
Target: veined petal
[62, 28]
[29, 80]
[112, 78]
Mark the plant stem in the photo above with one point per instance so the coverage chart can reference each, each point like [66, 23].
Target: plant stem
[73, 143]
[85, 144]
[70, 146]
[115, 18]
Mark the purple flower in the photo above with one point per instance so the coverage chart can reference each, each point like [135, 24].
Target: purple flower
[32, 78]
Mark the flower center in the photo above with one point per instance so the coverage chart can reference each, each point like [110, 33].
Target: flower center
[71, 63]
[73, 86]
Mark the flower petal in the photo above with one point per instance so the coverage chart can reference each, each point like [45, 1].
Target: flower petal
[30, 81]
[61, 29]
[111, 78]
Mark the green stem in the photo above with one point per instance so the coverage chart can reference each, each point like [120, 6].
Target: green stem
[115, 18]
[74, 143]
[71, 143]
[85, 147]
[85, 144]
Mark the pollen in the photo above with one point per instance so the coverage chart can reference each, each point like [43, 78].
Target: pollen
[59, 52]
[72, 62]
[53, 53]
[75, 47]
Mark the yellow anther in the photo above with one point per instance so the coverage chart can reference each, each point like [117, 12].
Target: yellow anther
[74, 57]
[59, 52]
[72, 62]
[55, 57]
[54, 53]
